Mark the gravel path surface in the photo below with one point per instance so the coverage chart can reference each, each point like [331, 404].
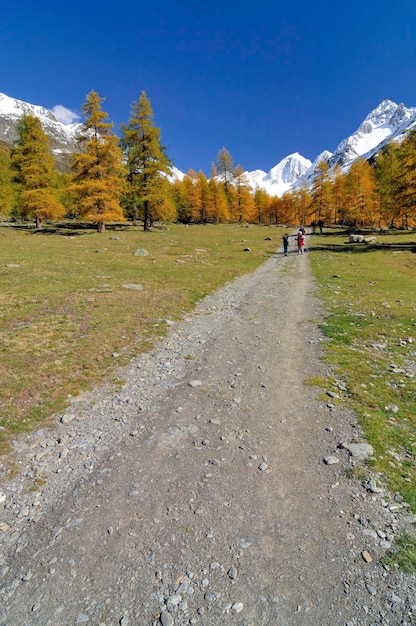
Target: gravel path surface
[209, 488]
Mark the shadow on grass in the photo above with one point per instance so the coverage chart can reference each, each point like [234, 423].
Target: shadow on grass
[317, 243]
[360, 248]
[70, 228]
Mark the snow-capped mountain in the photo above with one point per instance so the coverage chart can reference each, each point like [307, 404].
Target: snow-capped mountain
[387, 122]
[282, 176]
[62, 136]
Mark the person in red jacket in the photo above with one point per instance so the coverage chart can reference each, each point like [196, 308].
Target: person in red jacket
[300, 237]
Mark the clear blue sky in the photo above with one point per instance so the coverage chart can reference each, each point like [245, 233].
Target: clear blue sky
[263, 79]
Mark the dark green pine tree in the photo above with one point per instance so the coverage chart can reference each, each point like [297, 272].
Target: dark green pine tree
[387, 173]
[7, 193]
[34, 173]
[405, 183]
[98, 171]
[147, 165]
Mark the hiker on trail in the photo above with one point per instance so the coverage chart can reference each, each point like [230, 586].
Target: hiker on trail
[302, 229]
[285, 243]
[321, 225]
[300, 238]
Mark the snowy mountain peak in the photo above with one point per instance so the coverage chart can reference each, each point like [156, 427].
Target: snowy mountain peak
[385, 123]
[382, 113]
[62, 136]
[16, 108]
[282, 176]
[323, 156]
[289, 169]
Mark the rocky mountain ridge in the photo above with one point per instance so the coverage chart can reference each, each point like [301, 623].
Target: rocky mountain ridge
[62, 136]
[387, 122]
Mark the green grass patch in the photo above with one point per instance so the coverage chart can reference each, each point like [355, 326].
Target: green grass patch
[68, 317]
[316, 381]
[404, 555]
[369, 294]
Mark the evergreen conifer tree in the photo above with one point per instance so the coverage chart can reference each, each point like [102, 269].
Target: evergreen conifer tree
[34, 173]
[405, 181]
[98, 171]
[387, 174]
[7, 194]
[147, 165]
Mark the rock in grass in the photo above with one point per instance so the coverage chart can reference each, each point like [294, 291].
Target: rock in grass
[141, 252]
[133, 286]
[360, 451]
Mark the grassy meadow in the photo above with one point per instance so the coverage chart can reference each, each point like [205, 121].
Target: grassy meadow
[66, 318]
[369, 295]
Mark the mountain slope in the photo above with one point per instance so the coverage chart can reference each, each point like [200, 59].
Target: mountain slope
[282, 176]
[62, 136]
[387, 122]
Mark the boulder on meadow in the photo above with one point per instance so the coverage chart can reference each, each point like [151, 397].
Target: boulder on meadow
[355, 239]
[360, 451]
[141, 252]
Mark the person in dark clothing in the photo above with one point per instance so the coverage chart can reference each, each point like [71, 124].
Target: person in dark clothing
[321, 225]
[285, 243]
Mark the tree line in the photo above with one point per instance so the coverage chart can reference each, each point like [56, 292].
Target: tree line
[112, 179]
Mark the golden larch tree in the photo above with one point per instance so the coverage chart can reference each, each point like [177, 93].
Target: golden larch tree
[98, 173]
[34, 173]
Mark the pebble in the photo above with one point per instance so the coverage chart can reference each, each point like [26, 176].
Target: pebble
[331, 394]
[366, 556]
[232, 573]
[372, 590]
[167, 619]
[238, 607]
[331, 460]
[68, 417]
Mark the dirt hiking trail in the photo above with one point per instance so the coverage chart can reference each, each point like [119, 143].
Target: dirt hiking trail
[197, 493]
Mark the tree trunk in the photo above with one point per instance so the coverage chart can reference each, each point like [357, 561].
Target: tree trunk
[146, 217]
[100, 227]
